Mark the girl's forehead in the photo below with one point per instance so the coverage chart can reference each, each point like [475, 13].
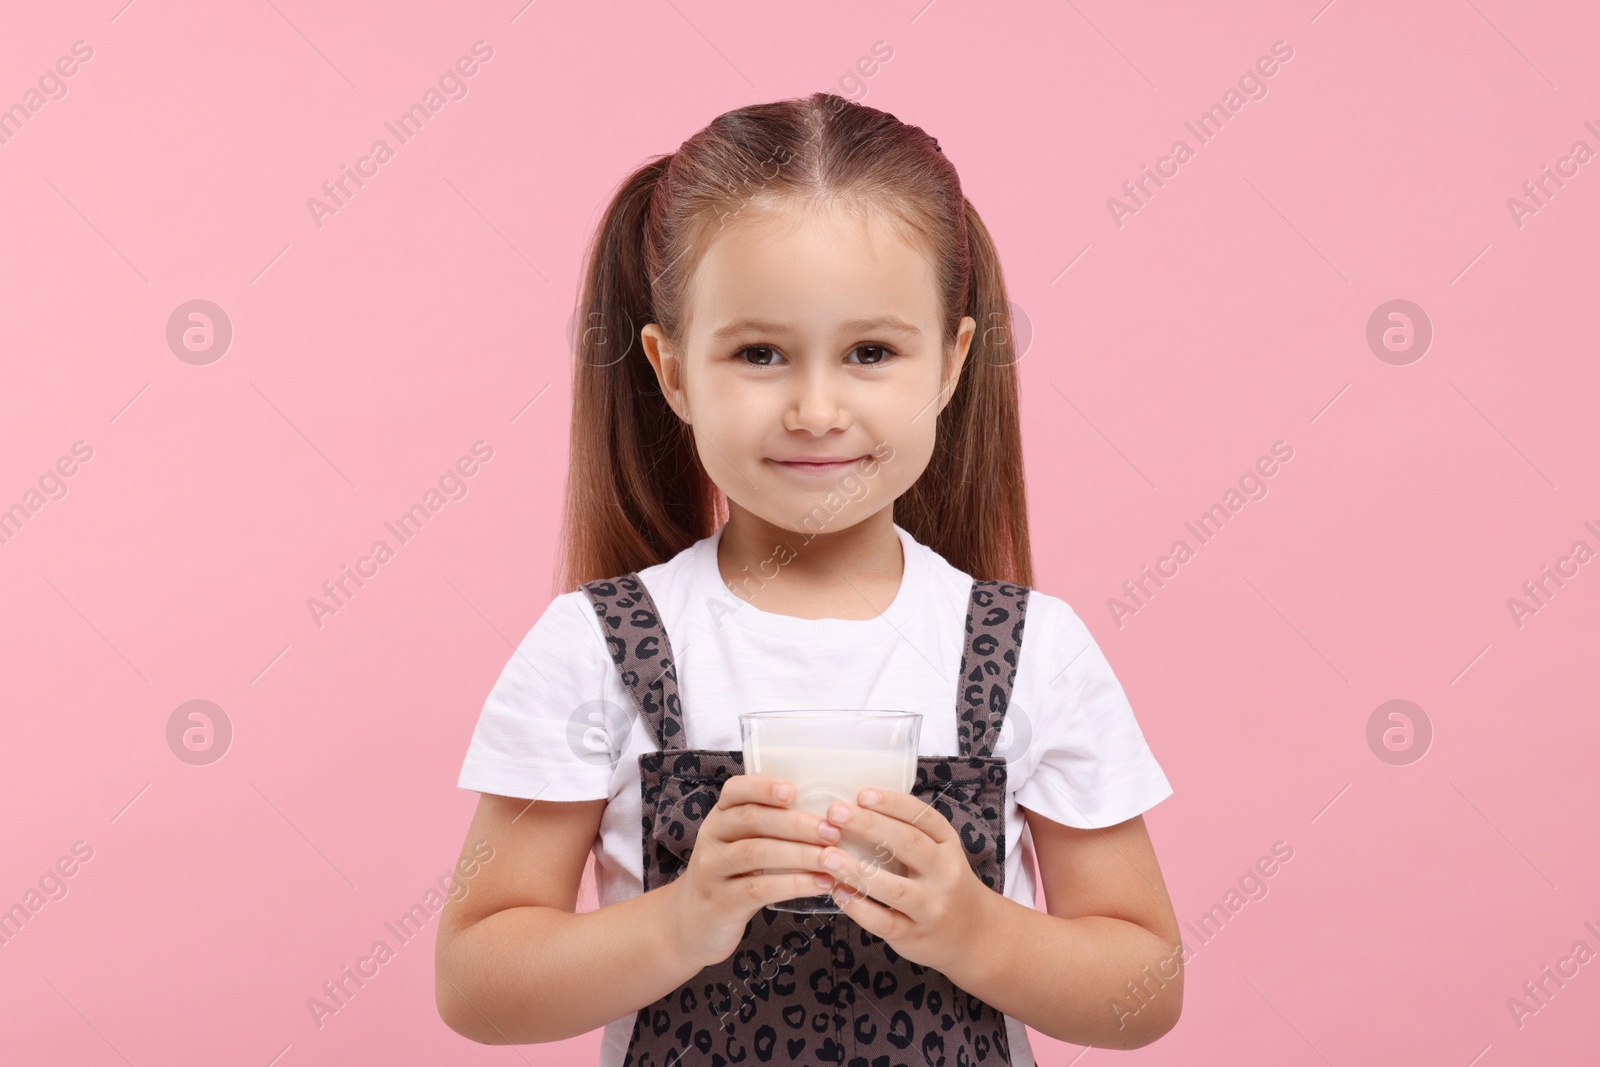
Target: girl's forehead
[782, 220]
[820, 269]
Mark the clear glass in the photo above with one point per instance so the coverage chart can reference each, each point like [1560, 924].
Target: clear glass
[833, 755]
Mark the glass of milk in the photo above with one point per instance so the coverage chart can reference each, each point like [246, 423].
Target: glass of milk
[833, 755]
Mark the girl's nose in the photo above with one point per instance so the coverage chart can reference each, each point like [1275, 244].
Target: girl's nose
[817, 406]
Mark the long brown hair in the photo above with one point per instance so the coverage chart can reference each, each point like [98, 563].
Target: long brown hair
[636, 492]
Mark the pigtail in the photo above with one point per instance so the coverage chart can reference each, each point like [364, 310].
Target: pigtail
[636, 493]
[970, 503]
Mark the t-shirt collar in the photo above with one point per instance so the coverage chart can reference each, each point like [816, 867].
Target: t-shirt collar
[728, 608]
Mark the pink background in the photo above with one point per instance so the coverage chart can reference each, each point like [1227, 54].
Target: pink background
[369, 353]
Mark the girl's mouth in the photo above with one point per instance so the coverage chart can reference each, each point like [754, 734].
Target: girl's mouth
[804, 467]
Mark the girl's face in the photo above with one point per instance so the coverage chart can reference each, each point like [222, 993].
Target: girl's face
[810, 336]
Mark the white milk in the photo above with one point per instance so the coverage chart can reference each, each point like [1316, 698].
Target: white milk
[822, 774]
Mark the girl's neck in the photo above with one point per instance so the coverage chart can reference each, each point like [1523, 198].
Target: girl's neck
[850, 573]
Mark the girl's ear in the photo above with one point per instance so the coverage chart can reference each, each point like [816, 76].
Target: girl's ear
[964, 335]
[668, 368]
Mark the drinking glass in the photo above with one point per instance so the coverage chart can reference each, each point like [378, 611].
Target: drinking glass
[833, 755]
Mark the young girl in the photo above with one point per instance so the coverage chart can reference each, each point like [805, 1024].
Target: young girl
[796, 482]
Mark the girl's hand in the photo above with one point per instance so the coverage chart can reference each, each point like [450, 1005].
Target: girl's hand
[750, 829]
[939, 905]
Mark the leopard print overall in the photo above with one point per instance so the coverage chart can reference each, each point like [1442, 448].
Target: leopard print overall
[816, 988]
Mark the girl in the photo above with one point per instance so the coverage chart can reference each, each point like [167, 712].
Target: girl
[803, 488]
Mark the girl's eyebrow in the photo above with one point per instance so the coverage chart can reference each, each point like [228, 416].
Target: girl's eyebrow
[882, 322]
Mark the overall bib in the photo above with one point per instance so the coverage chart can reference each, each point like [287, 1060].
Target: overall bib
[816, 988]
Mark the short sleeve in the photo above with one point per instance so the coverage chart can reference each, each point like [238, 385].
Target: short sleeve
[550, 726]
[1090, 765]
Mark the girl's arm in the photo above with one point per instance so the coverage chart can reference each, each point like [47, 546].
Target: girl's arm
[514, 964]
[1104, 966]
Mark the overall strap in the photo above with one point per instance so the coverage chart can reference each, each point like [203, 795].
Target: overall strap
[638, 644]
[995, 616]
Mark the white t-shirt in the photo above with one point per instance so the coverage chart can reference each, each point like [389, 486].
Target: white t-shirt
[559, 725]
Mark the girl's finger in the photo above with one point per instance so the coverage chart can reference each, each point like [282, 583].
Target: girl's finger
[890, 839]
[864, 911]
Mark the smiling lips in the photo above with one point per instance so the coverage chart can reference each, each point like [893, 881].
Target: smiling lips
[818, 465]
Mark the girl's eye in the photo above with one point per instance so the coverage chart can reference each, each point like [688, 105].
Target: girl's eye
[873, 355]
[884, 354]
[739, 355]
